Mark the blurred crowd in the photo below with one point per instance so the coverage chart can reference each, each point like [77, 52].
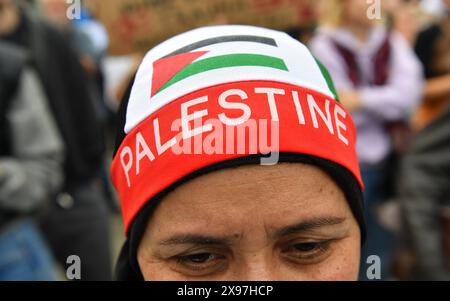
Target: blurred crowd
[60, 90]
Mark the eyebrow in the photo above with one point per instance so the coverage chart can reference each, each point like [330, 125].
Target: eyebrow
[205, 240]
[193, 239]
[309, 225]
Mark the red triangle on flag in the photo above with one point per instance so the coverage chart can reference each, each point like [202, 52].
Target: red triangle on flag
[166, 68]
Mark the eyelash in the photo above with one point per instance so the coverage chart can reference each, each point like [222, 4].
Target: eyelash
[212, 264]
[186, 260]
[320, 249]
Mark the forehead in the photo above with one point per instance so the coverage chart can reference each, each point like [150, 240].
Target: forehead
[236, 198]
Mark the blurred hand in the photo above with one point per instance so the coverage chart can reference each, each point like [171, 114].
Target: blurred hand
[351, 100]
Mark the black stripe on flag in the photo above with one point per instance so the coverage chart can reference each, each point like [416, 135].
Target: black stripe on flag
[224, 39]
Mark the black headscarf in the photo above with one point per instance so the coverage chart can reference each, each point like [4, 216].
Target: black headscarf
[127, 268]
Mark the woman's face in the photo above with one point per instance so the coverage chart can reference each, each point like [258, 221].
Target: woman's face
[282, 222]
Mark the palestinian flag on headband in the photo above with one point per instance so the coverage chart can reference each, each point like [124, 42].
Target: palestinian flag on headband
[235, 75]
[181, 65]
[211, 56]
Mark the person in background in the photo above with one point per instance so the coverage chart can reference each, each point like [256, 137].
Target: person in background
[379, 80]
[31, 157]
[90, 41]
[433, 49]
[88, 38]
[425, 173]
[78, 221]
[405, 17]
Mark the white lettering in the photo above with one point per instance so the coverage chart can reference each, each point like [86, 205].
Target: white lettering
[298, 107]
[127, 165]
[162, 148]
[338, 111]
[146, 152]
[186, 118]
[313, 107]
[234, 105]
[270, 92]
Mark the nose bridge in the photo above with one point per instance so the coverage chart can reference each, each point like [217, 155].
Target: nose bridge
[256, 259]
[257, 266]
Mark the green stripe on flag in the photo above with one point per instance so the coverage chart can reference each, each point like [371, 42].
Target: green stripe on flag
[226, 61]
[328, 79]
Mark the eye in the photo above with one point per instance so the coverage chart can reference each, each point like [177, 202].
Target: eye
[199, 258]
[308, 252]
[200, 264]
[307, 247]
